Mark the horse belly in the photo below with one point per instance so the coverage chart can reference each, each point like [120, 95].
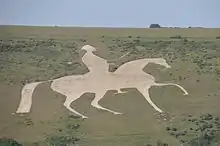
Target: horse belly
[134, 81]
[66, 85]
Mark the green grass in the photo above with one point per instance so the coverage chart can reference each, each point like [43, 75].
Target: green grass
[30, 54]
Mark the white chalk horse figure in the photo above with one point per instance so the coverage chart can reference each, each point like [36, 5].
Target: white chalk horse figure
[99, 80]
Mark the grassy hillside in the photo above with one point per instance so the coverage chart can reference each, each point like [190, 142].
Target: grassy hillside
[29, 54]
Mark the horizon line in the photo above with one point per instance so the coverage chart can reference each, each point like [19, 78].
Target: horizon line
[79, 26]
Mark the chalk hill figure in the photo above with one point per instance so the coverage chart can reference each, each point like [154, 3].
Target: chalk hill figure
[99, 80]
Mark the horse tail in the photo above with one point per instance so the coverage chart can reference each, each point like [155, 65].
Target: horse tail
[26, 97]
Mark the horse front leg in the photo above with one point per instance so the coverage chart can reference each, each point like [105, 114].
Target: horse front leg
[145, 93]
[67, 104]
[172, 84]
[95, 103]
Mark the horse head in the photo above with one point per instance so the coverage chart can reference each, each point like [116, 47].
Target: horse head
[160, 61]
[88, 48]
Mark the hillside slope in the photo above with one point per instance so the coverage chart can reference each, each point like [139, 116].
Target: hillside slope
[29, 54]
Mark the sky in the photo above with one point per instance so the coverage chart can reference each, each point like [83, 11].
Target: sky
[111, 13]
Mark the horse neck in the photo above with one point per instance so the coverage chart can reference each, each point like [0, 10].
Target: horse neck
[152, 60]
[88, 53]
[85, 56]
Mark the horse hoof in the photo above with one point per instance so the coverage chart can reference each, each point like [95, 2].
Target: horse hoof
[84, 117]
[116, 113]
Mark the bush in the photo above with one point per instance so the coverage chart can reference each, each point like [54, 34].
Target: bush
[207, 117]
[154, 26]
[83, 40]
[204, 140]
[168, 129]
[62, 140]
[9, 142]
[160, 143]
[174, 129]
[218, 37]
[74, 127]
[176, 37]
[185, 40]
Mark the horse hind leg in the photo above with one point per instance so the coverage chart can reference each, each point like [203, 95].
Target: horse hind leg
[67, 104]
[172, 84]
[145, 93]
[95, 103]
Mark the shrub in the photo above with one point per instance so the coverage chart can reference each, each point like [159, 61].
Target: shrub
[185, 40]
[216, 118]
[218, 37]
[207, 117]
[168, 129]
[137, 41]
[160, 143]
[176, 37]
[203, 140]
[74, 127]
[181, 133]
[83, 40]
[74, 117]
[154, 26]
[9, 142]
[62, 140]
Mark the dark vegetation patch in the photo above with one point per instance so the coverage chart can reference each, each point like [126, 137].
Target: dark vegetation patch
[66, 135]
[34, 60]
[62, 140]
[204, 54]
[200, 131]
[176, 37]
[9, 142]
